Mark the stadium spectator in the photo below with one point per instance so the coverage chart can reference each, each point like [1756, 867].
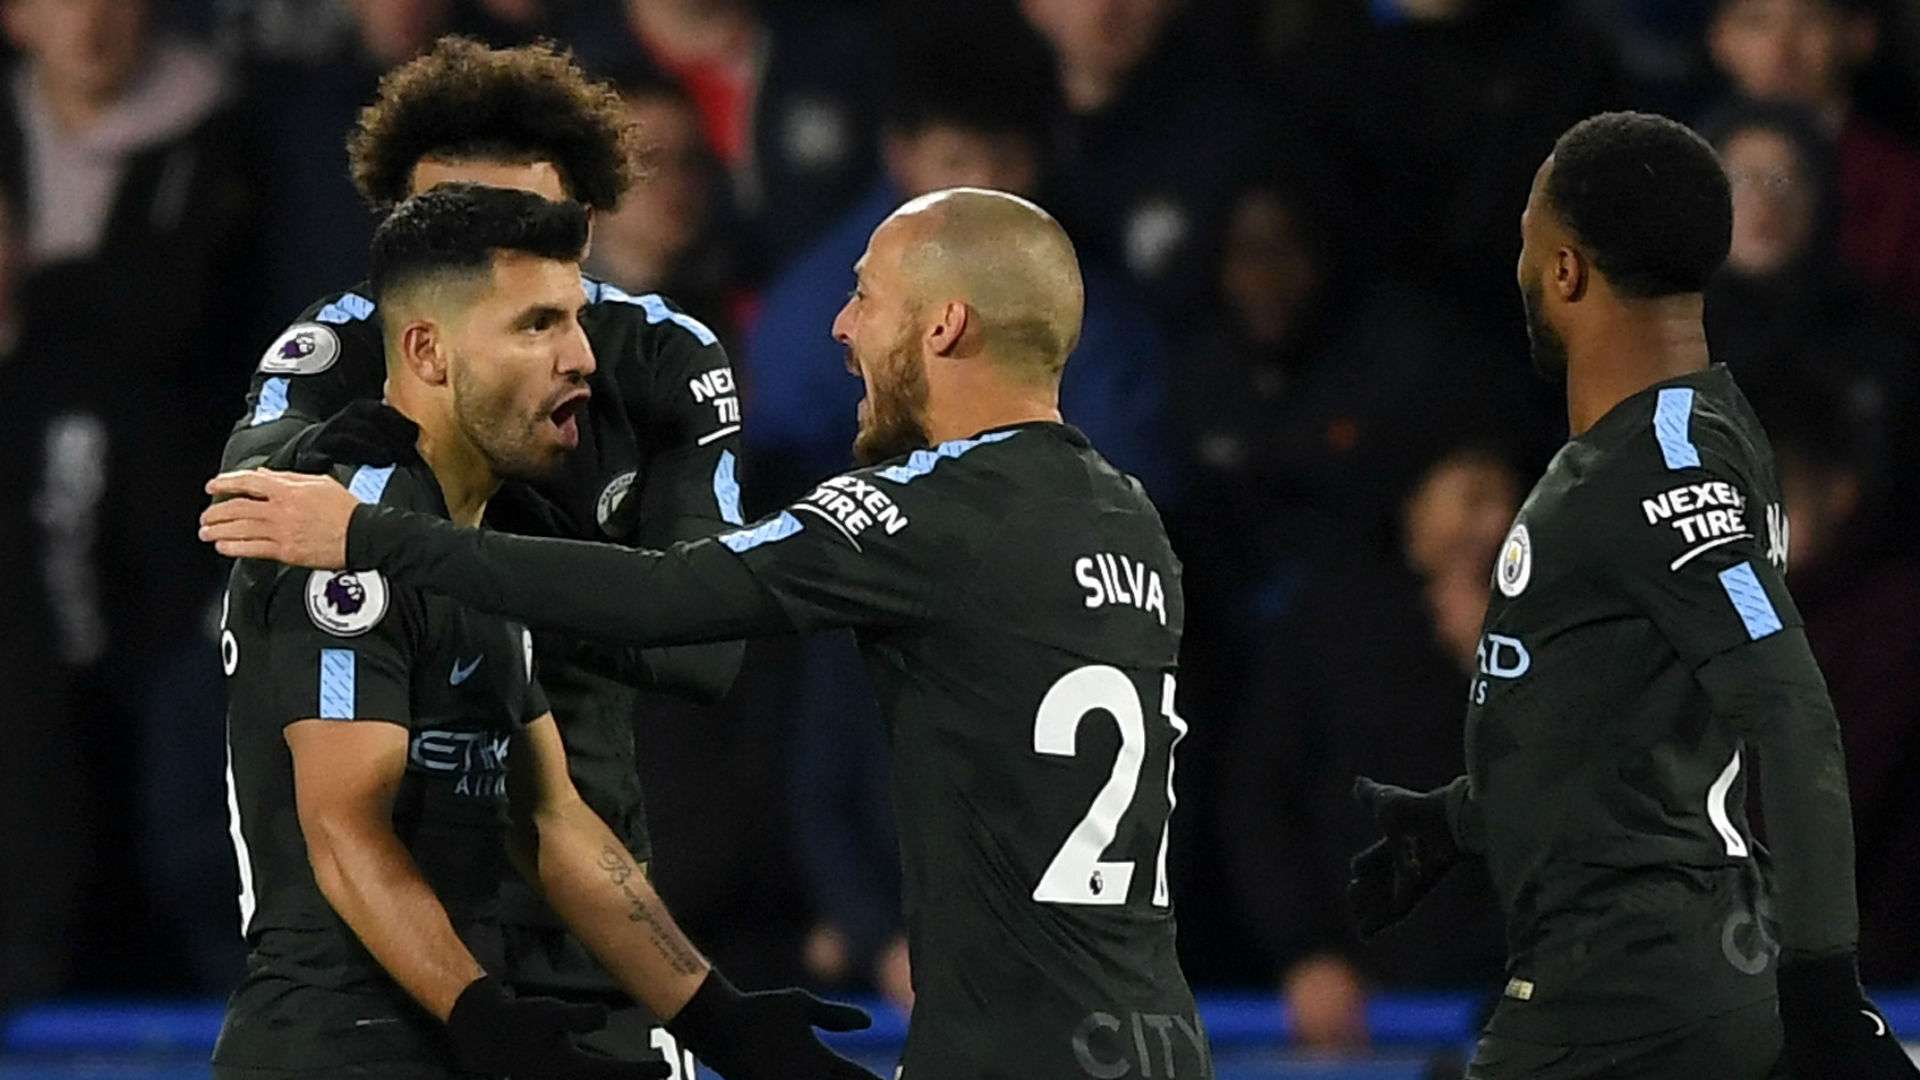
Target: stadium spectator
[1293, 404]
[844, 838]
[666, 236]
[787, 100]
[1858, 594]
[1440, 111]
[985, 130]
[1784, 305]
[43, 803]
[1156, 132]
[1367, 673]
[306, 80]
[139, 219]
[1661, 51]
[1809, 52]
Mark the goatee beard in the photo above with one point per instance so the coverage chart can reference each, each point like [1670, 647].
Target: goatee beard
[892, 425]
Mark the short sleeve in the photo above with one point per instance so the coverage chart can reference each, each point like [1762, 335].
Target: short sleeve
[695, 400]
[1694, 549]
[341, 645]
[690, 428]
[329, 357]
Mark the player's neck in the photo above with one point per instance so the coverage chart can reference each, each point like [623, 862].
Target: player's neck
[970, 414]
[465, 476]
[1643, 343]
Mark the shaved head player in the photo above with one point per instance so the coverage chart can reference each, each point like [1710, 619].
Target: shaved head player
[1019, 610]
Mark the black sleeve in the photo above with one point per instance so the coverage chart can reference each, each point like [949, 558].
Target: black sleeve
[862, 550]
[341, 646]
[689, 417]
[536, 702]
[1698, 555]
[330, 356]
[1771, 692]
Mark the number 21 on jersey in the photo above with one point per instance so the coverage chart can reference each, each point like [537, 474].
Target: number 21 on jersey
[1078, 874]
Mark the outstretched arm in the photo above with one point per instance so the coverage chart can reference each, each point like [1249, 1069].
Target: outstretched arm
[692, 592]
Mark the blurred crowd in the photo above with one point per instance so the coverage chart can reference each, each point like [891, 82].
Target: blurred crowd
[1299, 223]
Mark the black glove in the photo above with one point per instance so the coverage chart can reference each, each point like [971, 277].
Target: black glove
[363, 433]
[1833, 1032]
[1415, 851]
[495, 1033]
[766, 1035]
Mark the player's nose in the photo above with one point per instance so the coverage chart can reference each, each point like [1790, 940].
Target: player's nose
[843, 324]
[576, 354]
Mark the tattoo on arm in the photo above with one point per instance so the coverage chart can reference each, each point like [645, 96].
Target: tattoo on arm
[646, 910]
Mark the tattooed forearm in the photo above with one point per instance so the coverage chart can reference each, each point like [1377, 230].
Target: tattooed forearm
[647, 911]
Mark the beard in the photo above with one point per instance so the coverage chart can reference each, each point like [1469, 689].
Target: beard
[890, 424]
[502, 430]
[1544, 343]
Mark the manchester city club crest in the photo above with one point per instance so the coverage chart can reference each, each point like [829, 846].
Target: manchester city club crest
[1515, 567]
[612, 497]
[346, 603]
[305, 349]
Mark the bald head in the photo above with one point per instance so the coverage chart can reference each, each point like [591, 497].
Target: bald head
[1007, 260]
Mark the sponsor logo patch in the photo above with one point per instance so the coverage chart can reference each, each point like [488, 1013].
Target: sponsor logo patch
[347, 603]
[852, 505]
[305, 349]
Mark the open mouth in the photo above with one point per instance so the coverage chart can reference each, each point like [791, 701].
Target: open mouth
[565, 417]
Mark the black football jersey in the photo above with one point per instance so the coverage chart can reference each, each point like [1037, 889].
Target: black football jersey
[354, 647]
[1612, 797]
[657, 463]
[1019, 610]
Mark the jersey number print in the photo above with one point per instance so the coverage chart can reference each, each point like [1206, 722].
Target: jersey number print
[1077, 874]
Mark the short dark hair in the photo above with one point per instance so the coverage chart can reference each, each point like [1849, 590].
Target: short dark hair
[462, 99]
[1647, 198]
[457, 229]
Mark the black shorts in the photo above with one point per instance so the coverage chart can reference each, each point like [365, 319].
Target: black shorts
[1744, 1044]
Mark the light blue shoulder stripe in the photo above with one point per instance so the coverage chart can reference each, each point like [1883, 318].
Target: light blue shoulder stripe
[1750, 601]
[337, 684]
[921, 462]
[369, 483]
[349, 308]
[726, 490]
[652, 303]
[1672, 424]
[272, 403]
[767, 532]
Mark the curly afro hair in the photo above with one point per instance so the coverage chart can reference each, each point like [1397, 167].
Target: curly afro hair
[462, 99]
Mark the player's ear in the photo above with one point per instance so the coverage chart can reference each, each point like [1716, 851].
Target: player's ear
[950, 323]
[423, 351]
[1570, 274]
